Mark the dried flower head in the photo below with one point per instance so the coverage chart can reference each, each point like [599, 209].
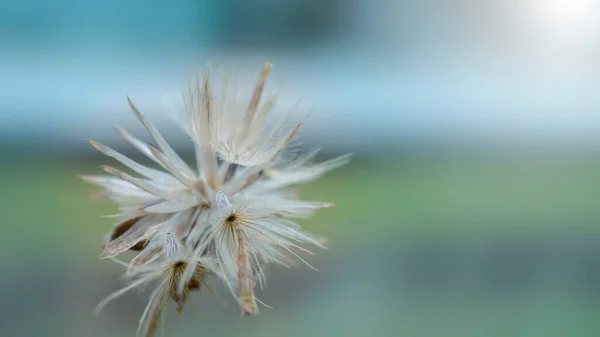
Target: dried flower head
[228, 217]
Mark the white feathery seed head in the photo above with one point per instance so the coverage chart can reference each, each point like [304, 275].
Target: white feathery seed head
[228, 217]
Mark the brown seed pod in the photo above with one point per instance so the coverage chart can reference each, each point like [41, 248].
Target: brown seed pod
[123, 227]
[193, 284]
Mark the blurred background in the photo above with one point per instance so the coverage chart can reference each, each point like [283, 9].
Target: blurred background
[471, 206]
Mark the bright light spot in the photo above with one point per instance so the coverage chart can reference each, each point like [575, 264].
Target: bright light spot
[564, 21]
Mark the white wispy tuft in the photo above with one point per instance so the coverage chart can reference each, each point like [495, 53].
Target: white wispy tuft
[228, 217]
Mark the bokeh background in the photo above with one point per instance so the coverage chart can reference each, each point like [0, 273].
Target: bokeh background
[471, 206]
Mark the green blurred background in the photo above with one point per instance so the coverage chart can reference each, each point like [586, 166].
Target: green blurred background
[470, 208]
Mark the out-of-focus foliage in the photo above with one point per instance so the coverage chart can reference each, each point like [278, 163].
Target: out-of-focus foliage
[471, 243]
